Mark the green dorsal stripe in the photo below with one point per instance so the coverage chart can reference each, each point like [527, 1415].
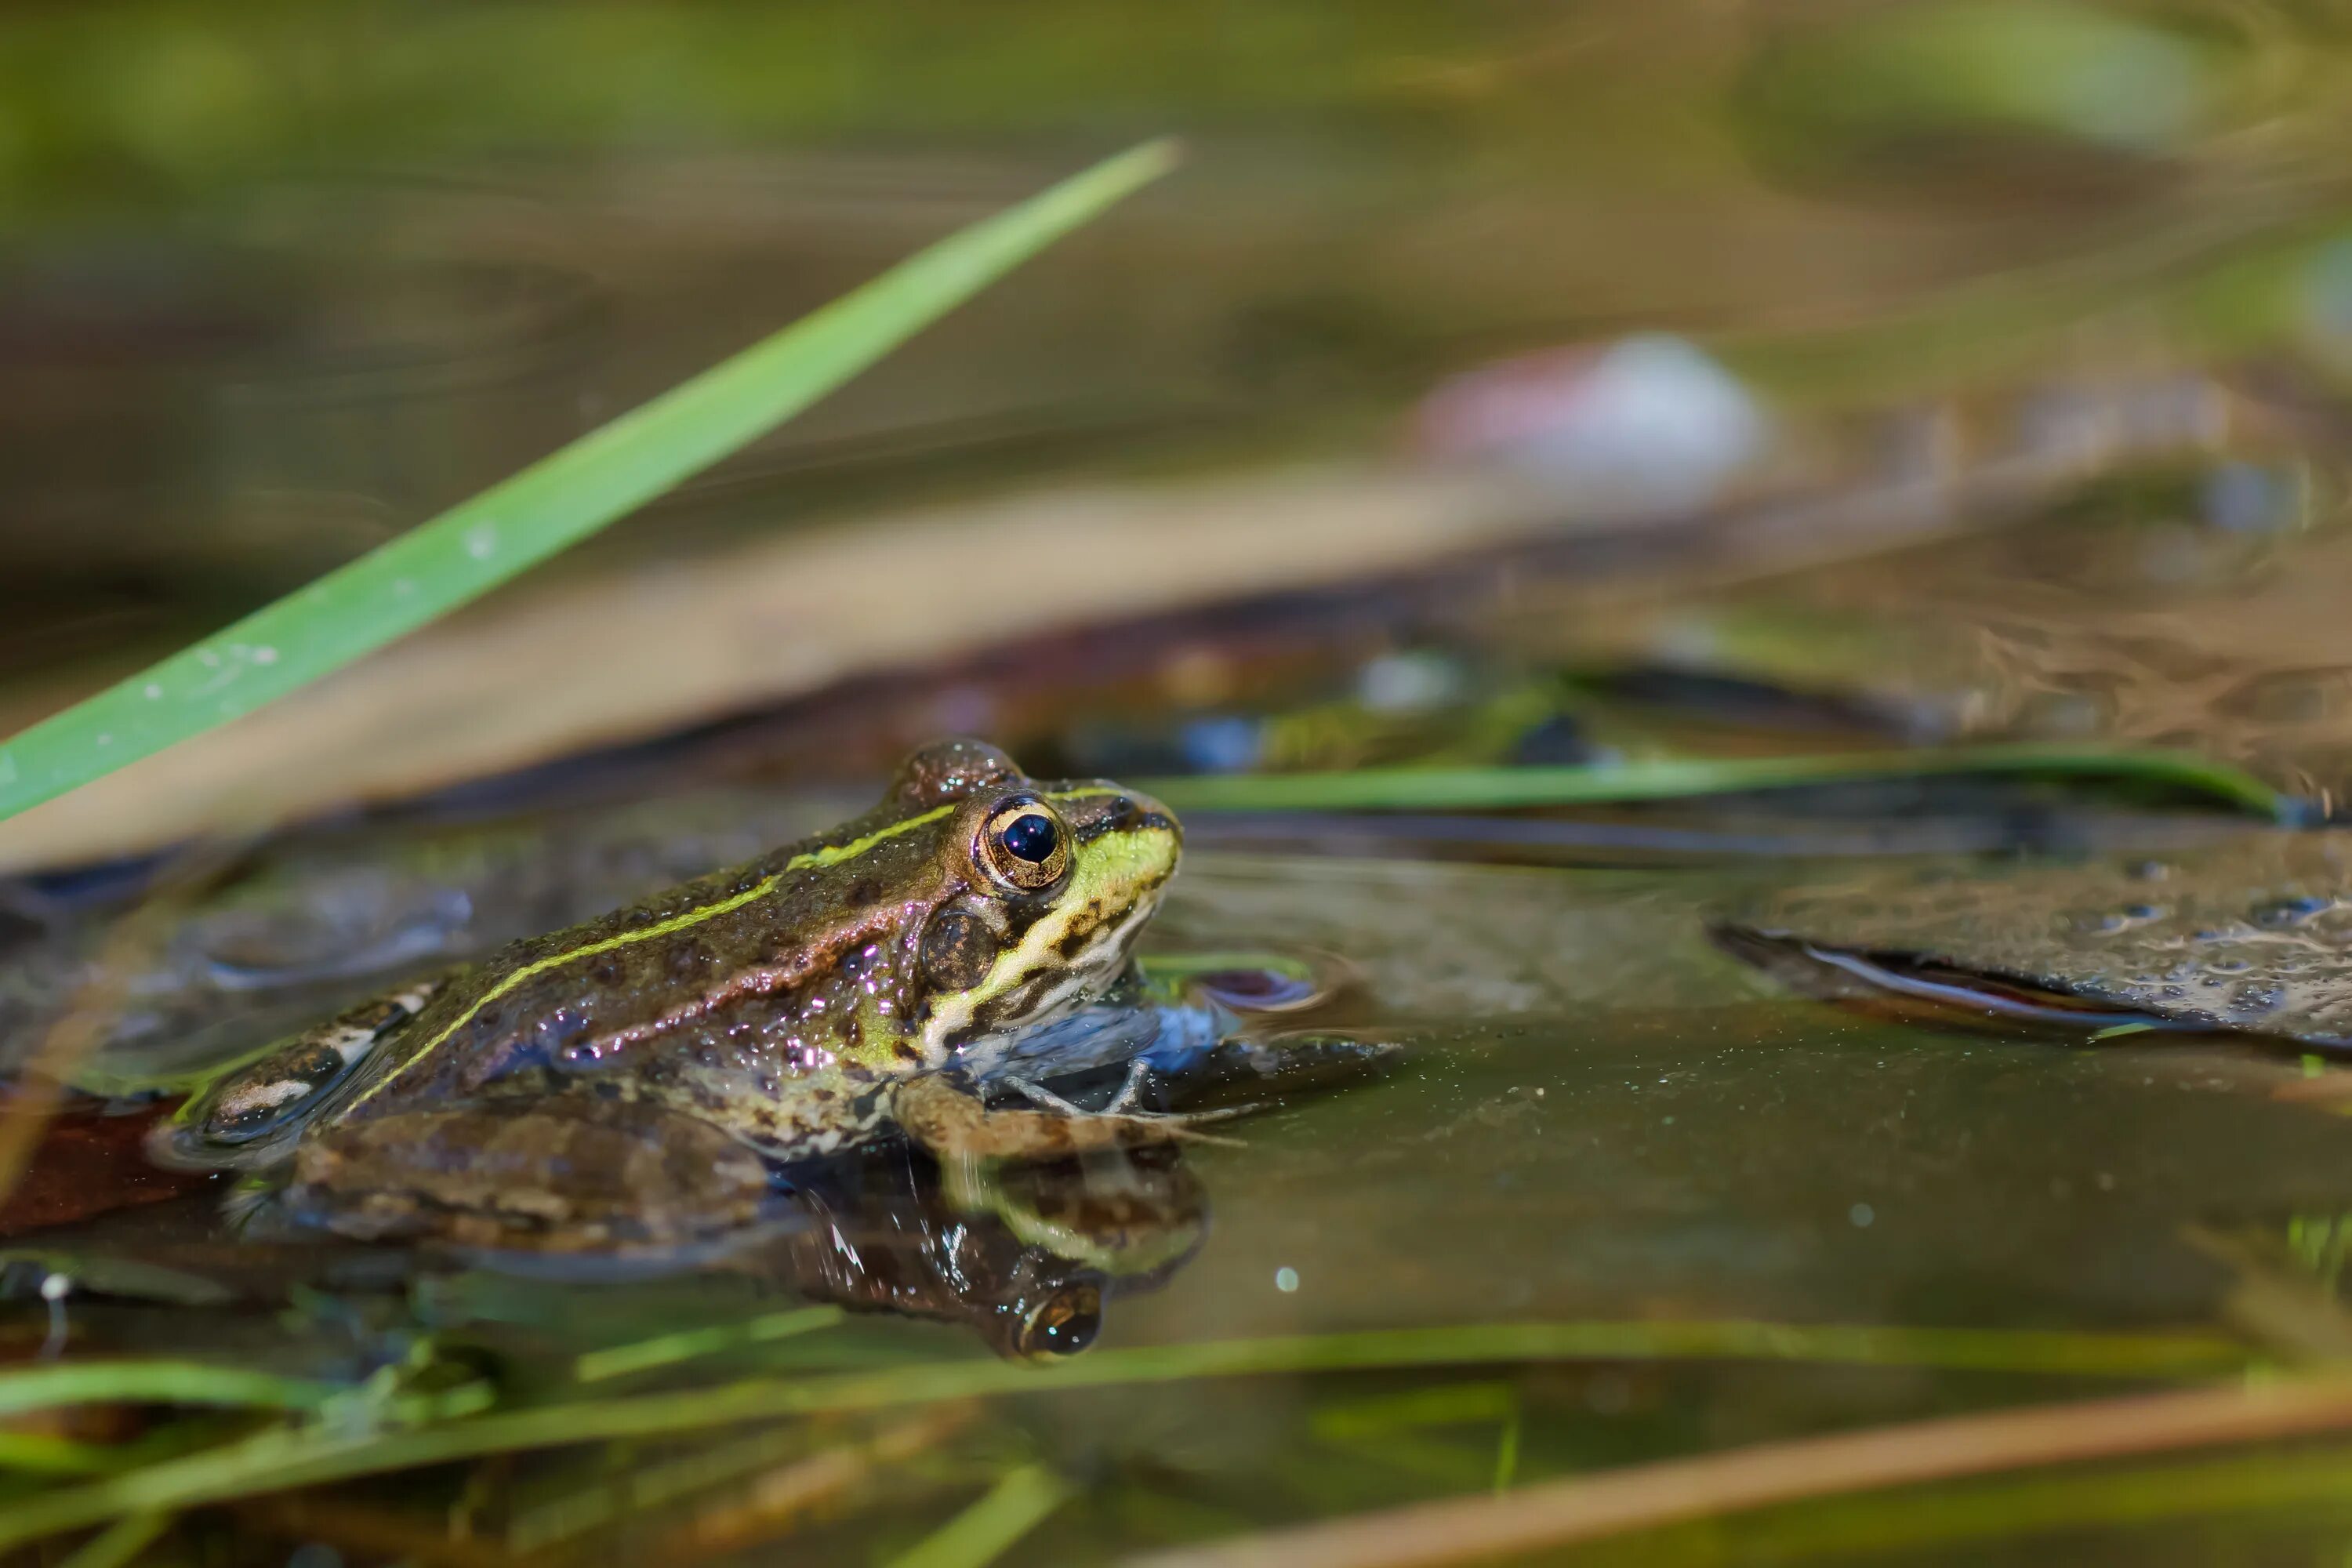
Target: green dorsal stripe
[825, 855]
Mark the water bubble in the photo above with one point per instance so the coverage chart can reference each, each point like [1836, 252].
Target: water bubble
[2258, 998]
[1861, 1215]
[1286, 1280]
[2282, 913]
[2124, 918]
[2241, 498]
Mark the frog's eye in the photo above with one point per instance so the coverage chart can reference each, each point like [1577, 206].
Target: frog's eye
[1063, 1324]
[1024, 847]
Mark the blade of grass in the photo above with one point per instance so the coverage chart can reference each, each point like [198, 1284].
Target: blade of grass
[666, 1349]
[555, 502]
[158, 1382]
[1542, 1518]
[120, 1543]
[1015, 1506]
[285, 1456]
[1903, 1523]
[1503, 788]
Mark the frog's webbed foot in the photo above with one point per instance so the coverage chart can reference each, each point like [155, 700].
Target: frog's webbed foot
[945, 1114]
[1125, 1104]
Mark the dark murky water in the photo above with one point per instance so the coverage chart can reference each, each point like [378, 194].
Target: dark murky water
[2046, 339]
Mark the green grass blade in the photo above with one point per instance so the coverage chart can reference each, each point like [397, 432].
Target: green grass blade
[1503, 788]
[157, 1383]
[555, 502]
[687, 1344]
[120, 1542]
[283, 1457]
[992, 1526]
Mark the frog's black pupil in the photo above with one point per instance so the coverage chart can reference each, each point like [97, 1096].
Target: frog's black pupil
[1031, 838]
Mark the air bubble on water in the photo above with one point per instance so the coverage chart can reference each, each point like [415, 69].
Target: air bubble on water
[2281, 913]
[2258, 998]
[1286, 1280]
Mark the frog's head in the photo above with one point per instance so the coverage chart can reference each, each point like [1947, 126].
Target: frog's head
[1042, 887]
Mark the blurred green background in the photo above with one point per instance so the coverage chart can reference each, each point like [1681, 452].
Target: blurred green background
[283, 280]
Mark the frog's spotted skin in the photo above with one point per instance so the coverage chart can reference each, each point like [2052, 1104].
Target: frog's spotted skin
[2252, 934]
[781, 1003]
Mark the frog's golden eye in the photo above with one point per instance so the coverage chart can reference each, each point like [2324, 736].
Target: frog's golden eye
[1024, 847]
[1063, 1324]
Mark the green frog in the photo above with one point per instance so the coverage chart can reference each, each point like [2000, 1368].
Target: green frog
[635, 1077]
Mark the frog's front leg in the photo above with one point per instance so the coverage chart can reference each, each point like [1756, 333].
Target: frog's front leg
[944, 1113]
[235, 1120]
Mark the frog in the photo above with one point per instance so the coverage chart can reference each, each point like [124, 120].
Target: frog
[2247, 936]
[641, 1077]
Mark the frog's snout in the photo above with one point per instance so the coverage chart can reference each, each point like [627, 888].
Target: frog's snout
[1145, 815]
[1119, 809]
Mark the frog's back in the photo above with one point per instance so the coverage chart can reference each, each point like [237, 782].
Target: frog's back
[772, 968]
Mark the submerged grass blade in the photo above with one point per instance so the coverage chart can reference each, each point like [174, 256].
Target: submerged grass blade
[561, 499]
[158, 1382]
[1904, 1524]
[1547, 1518]
[1503, 788]
[981, 1534]
[284, 1458]
[120, 1542]
[687, 1344]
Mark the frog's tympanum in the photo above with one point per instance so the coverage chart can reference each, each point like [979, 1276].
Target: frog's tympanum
[2252, 935]
[634, 1078]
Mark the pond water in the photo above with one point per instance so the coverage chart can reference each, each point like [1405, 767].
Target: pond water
[1519, 390]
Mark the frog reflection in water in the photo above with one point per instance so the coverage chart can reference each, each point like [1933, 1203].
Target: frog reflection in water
[630, 1080]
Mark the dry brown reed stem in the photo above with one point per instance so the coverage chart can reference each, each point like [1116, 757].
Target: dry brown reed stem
[1644, 1497]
